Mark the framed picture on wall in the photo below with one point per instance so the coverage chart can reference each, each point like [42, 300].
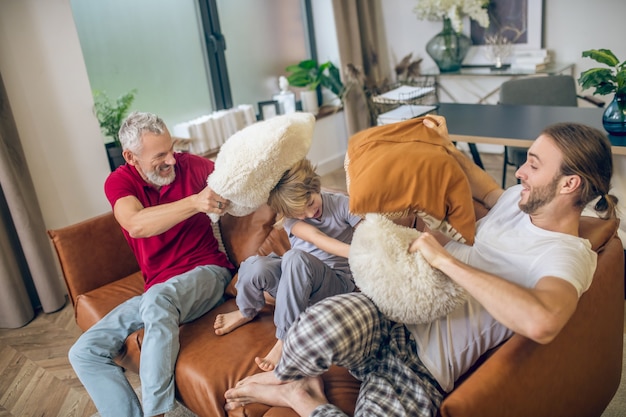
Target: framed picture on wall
[268, 109]
[519, 21]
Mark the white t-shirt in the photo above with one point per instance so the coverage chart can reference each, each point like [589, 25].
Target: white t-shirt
[508, 245]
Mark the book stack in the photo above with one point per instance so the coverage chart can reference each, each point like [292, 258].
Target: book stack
[403, 94]
[530, 60]
[404, 112]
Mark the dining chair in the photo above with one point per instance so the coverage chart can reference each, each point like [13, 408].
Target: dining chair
[552, 90]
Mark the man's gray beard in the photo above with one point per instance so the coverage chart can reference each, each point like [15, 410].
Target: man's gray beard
[160, 181]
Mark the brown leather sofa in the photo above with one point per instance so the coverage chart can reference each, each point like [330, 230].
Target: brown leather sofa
[575, 375]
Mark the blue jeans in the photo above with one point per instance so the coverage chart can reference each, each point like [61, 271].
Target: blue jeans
[160, 311]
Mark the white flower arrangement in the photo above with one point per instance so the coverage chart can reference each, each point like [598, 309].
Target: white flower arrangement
[454, 10]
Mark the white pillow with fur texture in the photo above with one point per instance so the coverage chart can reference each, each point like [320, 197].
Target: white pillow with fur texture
[403, 285]
[252, 161]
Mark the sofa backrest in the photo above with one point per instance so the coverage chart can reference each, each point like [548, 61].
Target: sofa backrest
[92, 253]
[252, 234]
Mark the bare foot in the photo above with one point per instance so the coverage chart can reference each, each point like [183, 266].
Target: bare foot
[265, 378]
[226, 323]
[303, 395]
[268, 363]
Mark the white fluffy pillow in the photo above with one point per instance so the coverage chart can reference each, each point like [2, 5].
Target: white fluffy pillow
[252, 161]
[402, 285]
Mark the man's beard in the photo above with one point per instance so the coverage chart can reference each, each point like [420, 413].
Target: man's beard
[160, 181]
[540, 196]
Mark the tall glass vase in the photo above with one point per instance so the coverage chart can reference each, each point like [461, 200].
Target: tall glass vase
[614, 116]
[448, 48]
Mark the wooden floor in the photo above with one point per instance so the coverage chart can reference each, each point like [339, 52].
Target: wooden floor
[36, 379]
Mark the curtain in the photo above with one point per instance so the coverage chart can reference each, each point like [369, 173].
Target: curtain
[363, 48]
[28, 271]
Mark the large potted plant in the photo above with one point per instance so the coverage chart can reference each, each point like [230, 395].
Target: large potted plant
[310, 75]
[111, 115]
[606, 81]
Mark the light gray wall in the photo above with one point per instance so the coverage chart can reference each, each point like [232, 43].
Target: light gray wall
[570, 27]
[45, 77]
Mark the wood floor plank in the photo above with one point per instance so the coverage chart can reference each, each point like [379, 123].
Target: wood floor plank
[77, 404]
[21, 374]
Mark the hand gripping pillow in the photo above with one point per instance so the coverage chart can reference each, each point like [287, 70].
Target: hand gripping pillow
[403, 285]
[252, 161]
[407, 168]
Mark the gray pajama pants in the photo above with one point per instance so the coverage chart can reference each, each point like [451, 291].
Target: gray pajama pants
[296, 280]
[348, 330]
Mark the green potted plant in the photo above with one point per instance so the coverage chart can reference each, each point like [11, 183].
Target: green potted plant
[606, 81]
[310, 75]
[111, 115]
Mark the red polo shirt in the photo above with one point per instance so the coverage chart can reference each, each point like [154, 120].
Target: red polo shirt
[186, 245]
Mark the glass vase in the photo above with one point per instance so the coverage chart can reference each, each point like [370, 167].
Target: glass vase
[614, 116]
[448, 48]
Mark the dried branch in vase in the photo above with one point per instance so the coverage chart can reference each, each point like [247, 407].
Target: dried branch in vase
[370, 83]
[499, 47]
[408, 70]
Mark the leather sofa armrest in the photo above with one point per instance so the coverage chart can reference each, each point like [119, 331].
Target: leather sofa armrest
[92, 253]
[576, 374]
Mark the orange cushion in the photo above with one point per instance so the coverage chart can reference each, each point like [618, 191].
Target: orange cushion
[405, 168]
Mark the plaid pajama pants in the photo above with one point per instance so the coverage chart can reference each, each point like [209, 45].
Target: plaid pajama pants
[348, 330]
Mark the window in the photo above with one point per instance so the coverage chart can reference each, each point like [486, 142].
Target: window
[262, 38]
[187, 58]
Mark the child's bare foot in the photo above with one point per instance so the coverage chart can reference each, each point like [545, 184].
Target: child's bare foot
[226, 323]
[268, 363]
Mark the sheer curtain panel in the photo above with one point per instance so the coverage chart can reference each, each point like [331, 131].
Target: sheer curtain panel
[362, 45]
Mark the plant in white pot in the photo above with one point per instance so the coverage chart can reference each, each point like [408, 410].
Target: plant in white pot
[309, 74]
[606, 81]
[111, 115]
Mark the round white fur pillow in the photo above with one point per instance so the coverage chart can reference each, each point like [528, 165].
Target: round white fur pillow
[252, 161]
[402, 285]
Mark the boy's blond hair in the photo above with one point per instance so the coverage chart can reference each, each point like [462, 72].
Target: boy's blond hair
[289, 198]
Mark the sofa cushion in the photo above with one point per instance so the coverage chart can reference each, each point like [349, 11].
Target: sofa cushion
[405, 168]
[208, 364]
[93, 305]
